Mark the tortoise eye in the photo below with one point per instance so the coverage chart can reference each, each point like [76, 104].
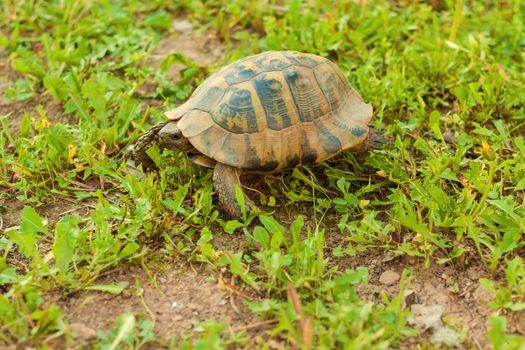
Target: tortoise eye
[177, 136]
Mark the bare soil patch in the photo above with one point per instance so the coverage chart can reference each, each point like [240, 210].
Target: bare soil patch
[177, 300]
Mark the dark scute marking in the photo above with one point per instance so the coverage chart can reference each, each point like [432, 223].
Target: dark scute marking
[291, 75]
[208, 99]
[238, 74]
[328, 141]
[270, 94]
[232, 154]
[358, 131]
[342, 121]
[252, 159]
[328, 83]
[238, 110]
[302, 60]
[268, 167]
[343, 82]
[304, 95]
[292, 162]
[268, 63]
[309, 155]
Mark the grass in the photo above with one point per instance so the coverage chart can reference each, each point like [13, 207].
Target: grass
[447, 86]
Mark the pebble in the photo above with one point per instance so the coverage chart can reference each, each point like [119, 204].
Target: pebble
[481, 295]
[182, 26]
[389, 277]
[474, 274]
[426, 316]
[448, 136]
[82, 331]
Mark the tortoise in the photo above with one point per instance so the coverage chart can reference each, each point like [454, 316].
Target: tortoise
[264, 114]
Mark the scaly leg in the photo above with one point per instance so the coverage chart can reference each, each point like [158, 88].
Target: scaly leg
[225, 180]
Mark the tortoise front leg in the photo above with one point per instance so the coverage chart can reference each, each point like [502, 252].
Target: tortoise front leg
[225, 180]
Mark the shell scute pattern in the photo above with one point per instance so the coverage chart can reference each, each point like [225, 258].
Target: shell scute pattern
[275, 110]
[308, 98]
[239, 73]
[330, 86]
[208, 98]
[272, 61]
[270, 92]
[303, 59]
[236, 112]
[327, 138]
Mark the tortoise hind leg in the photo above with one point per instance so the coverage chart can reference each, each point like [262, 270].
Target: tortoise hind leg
[225, 180]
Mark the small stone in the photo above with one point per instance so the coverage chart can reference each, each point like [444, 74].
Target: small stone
[448, 136]
[446, 336]
[174, 305]
[198, 329]
[426, 316]
[474, 274]
[389, 277]
[82, 331]
[481, 295]
[411, 298]
[182, 26]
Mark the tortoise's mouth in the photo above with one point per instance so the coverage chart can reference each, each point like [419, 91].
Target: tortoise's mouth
[193, 156]
[199, 158]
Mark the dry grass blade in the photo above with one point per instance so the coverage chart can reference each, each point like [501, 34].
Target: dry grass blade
[306, 323]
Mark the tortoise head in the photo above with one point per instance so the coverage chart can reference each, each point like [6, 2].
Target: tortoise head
[171, 137]
[165, 135]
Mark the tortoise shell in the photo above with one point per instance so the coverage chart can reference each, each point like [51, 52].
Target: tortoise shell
[273, 111]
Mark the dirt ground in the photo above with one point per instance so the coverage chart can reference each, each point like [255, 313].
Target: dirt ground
[182, 296]
[177, 300]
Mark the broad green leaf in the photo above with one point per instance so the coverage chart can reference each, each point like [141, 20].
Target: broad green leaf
[66, 233]
[110, 288]
[32, 222]
[129, 249]
[7, 311]
[26, 237]
[180, 194]
[231, 226]
[261, 236]
[296, 228]
[271, 224]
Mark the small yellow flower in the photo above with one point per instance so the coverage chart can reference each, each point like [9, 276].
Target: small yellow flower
[381, 173]
[42, 124]
[363, 203]
[487, 152]
[71, 152]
